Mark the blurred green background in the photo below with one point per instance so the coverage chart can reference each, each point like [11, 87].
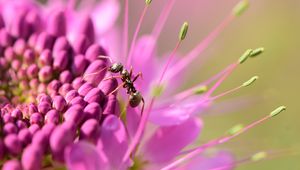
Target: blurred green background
[273, 24]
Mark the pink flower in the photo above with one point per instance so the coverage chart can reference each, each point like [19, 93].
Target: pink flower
[59, 86]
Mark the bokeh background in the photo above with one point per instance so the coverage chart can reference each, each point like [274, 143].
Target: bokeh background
[273, 24]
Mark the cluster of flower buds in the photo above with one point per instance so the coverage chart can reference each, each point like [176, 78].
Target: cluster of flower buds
[46, 101]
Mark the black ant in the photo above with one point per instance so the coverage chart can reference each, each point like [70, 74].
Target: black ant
[135, 97]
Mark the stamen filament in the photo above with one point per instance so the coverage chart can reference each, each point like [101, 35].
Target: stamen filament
[137, 137]
[168, 62]
[125, 29]
[217, 84]
[145, 116]
[225, 93]
[218, 141]
[180, 65]
[191, 91]
[245, 84]
[162, 19]
[133, 42]
[160, 25]
[259, 156]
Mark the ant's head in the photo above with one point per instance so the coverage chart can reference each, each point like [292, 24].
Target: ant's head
[125, 73]
[116, 67]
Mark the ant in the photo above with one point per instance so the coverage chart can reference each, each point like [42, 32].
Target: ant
[135, 97]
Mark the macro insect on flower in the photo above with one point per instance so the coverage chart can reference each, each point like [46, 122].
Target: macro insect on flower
[61, 95]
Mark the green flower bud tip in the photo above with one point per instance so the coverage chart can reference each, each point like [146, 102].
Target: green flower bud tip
[259, 156]
[183, 31]
[201, 90]
[235, 129]
[245, 56]
[250, 81]
[257, 52]
[148, 2]
[240, 8]
[157, 90]
[277, 111]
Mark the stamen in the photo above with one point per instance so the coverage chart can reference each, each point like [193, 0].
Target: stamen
[245, 56]
[157, 90]
[250, 53]
[235, 129]
[160, 24]
[201, 90]
[250, 81]
[221, 140]
[125, 29]
[241, 60]
[245, 84]
[182, 35]
[183, 31]
[259, 156]
[162, 19]
[192, 90]
[225, 73]
[191, 56]
[277, 111]
[148, 2]
[133, 42]
[217, 84]
[257, 51]
[240, 8]
[137, 137]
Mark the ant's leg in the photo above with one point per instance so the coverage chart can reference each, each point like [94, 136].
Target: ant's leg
[143, 106]
[97, 72]
[130, 72]
[121, 85]
[112, 77]
[140, 74]
[106, 57]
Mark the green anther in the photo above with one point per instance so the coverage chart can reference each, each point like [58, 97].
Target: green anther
[235, 129]
[250, 81]
[245, 56]
[183, 31]
[257, 52]
[157, 90]
[240, 8]
[148, 2]
[259, 156]
[277, 111]
[201, 90]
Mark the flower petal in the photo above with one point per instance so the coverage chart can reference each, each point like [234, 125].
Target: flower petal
[179, 111]
[84, 156]
[222, 160]
[114, 139]
[132, 121]
[166, 142]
